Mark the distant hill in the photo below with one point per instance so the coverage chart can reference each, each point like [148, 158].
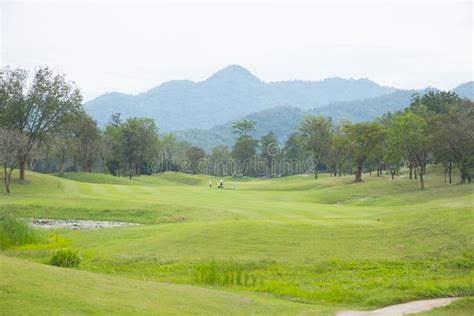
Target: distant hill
[284, 120]
[202, 112]
[466, 90]
[229, 94]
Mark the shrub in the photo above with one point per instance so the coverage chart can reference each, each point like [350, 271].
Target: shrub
[17, 232]
[66, 257]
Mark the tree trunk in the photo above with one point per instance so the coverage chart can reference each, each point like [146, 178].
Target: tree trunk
[450, 169]
[316, 161]
[61, 167]
[414, 170]
[465, 175]
[410, 167]
[392, 172]
[358, 174]
[22, 167]
[445, 173]
[422, 183]
[5, 180]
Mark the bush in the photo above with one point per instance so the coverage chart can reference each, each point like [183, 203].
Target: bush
[17, 232]
[66, 257]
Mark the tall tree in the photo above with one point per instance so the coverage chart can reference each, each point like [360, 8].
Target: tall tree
[270, 153]
[245, 148]
[454, 138]
[316, 133]
[11, 142]
[195, 154]
[243, 128]
[37, 108]
[364, 141]
[221, 161]
[139, 144]
[409, 133]
[294, 155]
[169, 147]
[339, 151]
[85, 136]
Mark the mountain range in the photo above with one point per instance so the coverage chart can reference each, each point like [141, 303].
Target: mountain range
[202, 112]
[229, 94]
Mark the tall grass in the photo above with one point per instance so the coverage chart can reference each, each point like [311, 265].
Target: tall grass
[225, 273]
[17, 232]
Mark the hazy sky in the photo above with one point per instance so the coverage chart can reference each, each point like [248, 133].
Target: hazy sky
[131, 47]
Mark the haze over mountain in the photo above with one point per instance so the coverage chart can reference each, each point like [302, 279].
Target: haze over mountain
[229, 94]
[465, 90]
[284, 120]
[202, 113]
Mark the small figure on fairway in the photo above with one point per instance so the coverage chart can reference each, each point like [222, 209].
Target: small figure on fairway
[210, 184]
[221, 184]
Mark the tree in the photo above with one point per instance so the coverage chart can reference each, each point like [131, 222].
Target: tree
[169, 146]
[11, 143]
[221, 161]
[244, 152]
[270, 152]
[339, 151]
[364, 140]
[245, 148]
[316, 134]
[294, 155]
[243, 128]
[85, 137]
[434, 101]
[194, 154]
[454, 138]
[35, 109]
[409, 134]
[61, 146]
[138, 143]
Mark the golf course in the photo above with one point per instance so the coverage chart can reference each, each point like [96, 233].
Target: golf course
[292, 245]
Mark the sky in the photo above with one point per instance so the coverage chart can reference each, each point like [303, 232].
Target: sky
[131, 47]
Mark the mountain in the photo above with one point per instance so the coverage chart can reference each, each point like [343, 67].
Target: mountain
[229, 94]
[284, 120]
[466, 90]
[368, 109]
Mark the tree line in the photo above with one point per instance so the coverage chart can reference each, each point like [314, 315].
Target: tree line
[44, 127]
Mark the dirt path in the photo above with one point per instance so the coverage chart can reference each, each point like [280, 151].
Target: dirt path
[403, 309]
[76, 224]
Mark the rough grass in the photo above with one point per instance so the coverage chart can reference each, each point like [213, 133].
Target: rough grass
[17, 232]
[28, 288]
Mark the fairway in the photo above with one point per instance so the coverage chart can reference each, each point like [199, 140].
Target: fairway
[273, 244]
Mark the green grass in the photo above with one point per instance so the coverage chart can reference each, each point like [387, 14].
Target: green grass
[17, 232]
[462, 307]
[47, 290]
[326, 242]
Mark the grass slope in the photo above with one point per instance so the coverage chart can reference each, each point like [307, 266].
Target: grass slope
[47, 290]
[327, 242]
